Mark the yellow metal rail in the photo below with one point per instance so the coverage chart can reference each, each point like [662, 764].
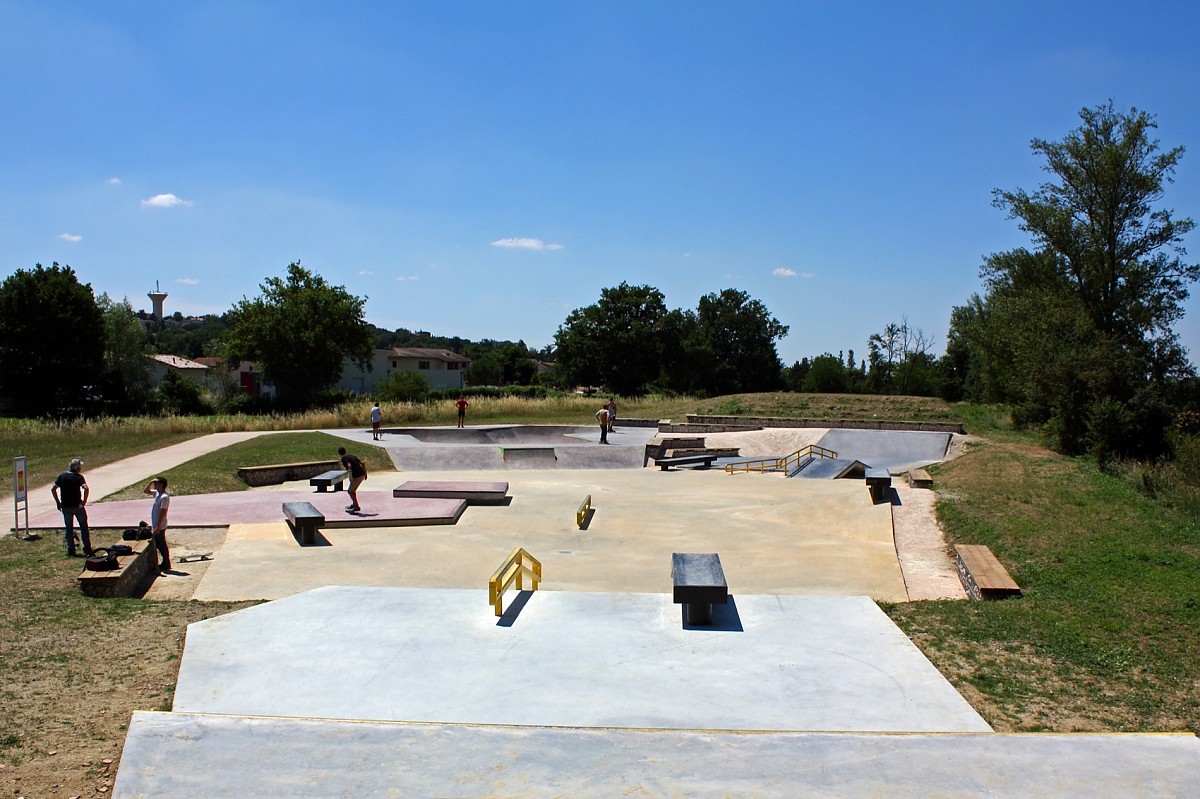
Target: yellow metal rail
[581, 514]
[511, 571]
[784, 464]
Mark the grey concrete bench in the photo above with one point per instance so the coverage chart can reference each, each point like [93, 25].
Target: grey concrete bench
[879, 483]
[326, 479]
[305, 520]
[705, 461]
[699, 583]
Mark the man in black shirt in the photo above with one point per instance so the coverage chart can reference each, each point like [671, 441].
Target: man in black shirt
[358, 473]
[70, 492]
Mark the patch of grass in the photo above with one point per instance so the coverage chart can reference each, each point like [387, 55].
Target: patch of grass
[217, 471]
[1106, 633]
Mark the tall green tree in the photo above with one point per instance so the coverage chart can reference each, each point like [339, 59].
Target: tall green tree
[619, 342]
[51, 341]
[1122, 256]
[740, 333]
[1078, 332]
[127, 383]
[302, 329]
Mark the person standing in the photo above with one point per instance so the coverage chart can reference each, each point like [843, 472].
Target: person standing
[358, 473]
[376, 420]
[157, 488]
[462, 409]
[612, 414]
[602, 417]
[70, 492]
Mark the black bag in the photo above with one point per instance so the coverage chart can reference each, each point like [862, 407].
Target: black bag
[120, 549]
[101, 560]
[141, 533]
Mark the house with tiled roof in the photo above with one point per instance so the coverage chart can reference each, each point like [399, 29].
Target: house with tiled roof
[441, 368]
[161, 364]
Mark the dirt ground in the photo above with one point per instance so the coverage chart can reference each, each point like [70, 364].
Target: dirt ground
[65, 719]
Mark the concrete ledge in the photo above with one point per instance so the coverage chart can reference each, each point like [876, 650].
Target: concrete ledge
[127, 578]
[279, 473]
[752, 422]
[188, 754]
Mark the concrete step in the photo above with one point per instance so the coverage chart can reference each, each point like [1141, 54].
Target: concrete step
[170, 755]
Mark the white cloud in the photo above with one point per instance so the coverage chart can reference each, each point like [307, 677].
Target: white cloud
[784, 272]
[114, 181]
[70, 237]
[187, 281]
[526, 244]
[365, 273]
[406, 279]
[164, 201]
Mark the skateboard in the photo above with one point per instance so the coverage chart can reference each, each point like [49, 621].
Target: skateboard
[194, 556]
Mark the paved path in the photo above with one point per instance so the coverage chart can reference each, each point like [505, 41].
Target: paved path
[113, 477]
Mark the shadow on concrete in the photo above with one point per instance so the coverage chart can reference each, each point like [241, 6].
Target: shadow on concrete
[514, 609]
[894, 497]
[725, 619]
[319, 539]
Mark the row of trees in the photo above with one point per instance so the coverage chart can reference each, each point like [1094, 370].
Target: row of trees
[630, 342]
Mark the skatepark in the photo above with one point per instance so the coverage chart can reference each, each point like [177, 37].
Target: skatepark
[379, 668]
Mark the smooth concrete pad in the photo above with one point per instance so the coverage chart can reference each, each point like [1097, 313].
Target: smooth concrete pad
[177, 755]
[568, 659]
[473, 492]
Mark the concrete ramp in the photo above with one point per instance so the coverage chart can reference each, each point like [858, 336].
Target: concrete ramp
[894, 450]
[177, 755]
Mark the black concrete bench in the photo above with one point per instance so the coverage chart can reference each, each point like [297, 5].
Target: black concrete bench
[705, 461]
[334, 478]
[879, 483]
[304, 519]
[699, 583]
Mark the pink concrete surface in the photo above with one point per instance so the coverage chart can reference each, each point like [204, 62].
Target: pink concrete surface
[236, 507]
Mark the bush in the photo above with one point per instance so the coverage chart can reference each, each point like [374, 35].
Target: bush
[182, 397]
[403, 386]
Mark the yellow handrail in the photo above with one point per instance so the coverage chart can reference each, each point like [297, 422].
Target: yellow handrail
[510, 571]
[780, 464]
[581, 514]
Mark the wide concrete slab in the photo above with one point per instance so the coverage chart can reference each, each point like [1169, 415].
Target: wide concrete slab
[894, 450]
[568, 659]
[178, 755]
[775, 536]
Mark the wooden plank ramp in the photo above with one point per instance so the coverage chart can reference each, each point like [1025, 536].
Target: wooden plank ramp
[982, 574]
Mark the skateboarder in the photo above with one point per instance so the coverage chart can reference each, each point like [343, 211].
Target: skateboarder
[358, 473]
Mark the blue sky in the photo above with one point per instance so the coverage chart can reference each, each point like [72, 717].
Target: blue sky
[482, 168]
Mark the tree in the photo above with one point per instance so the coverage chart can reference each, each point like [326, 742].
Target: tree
[301, 330]
[51, 340]
[403, 386]
[826, 375]
[1098, 220]
[1077, 334]
[618, 343]
[740, 333]
[127, 381]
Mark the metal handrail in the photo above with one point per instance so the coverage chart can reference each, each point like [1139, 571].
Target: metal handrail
[512, 571]
[780, 464]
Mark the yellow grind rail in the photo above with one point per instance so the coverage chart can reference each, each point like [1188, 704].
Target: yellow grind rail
[511, 571]
[780, 464]
[582, 513]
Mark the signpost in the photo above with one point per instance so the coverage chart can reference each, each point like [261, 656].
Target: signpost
[20, 495]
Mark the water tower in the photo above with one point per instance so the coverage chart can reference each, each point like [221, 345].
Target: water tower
[157, 297]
